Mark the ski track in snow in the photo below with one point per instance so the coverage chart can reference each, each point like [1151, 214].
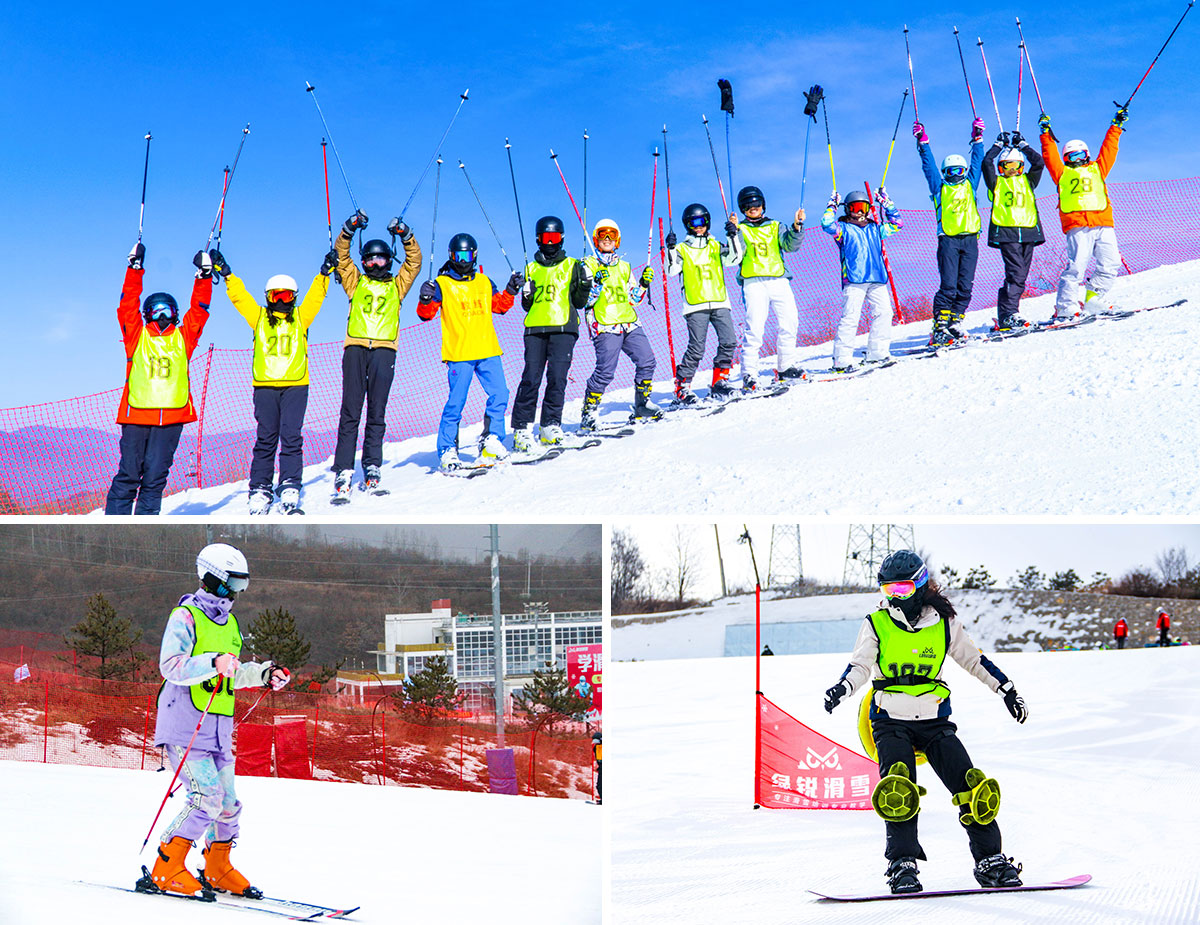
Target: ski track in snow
[1101, 419]
[1102, 779]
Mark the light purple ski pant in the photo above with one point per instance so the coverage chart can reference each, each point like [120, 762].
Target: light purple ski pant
[212, 809]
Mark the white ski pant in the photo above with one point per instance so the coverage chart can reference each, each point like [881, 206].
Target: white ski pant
[760, 295]
[1082, 245]
[879, 315]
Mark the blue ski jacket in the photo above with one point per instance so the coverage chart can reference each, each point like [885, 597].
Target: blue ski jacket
[861, 246]
[933, 176]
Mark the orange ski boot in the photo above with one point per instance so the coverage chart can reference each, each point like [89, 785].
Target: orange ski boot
[170, 874]
[220, 875]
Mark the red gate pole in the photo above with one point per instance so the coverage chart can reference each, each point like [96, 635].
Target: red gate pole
[897, 313]
[46, 727]
[312, 762]
[662, 262]
[200, 417]
[757, 692]
[146, 730]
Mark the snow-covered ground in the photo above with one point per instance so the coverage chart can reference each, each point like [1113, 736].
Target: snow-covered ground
[1102, 419]
[1102, 779]
[402, 854]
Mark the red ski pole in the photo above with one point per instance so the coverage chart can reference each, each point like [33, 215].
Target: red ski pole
[662, 257]
[650, 236]
[897, 313]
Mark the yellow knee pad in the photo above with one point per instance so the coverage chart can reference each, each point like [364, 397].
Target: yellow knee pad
[982, 799]
[897, 797]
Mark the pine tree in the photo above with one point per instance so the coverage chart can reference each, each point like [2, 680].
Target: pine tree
[978, 578]
[433, 689]
[1030, 579]
[1064, 581]
[101, 633]
[548, 699]
[273, 635]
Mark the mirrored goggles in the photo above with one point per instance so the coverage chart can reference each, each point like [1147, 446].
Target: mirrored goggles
[697, 221]
[375, 260]
[551, 237]
[281, 295]
[903, 590]
[954, 173]
[1076, 157]
[467, 256]
[858, 208]
[237, 581]
[161, 312]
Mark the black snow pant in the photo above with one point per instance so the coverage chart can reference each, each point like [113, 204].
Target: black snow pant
[1017, 258]
[957, 257]
[549, 355]
[599, 766]
[366, 373]
[279, 412]
[147, 452]
[896, 739]
[1120, 642]
[1163, 640]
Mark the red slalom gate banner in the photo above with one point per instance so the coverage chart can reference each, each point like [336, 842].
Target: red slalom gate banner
[798, 768]
[585, 675]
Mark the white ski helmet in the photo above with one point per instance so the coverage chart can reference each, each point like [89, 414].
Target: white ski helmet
[952, 161]
[222, 570]
[611, 226]
[278, 285]
[1073, 146]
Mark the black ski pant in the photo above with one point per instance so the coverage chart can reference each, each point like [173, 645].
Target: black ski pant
[366, 373]
[599, 766]
[279, 412]
[957, 257]
[1120, 642]
[1017, 259]
[896, 739]
[1162, 637]
[147, 452]
[549, 355]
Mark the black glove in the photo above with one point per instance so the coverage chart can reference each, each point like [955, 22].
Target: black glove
[730, 229]
[1016, 139]
[1003, 139]
[204, 265]
[671, 239]
[514, 284]
[1120, 117]
[1014, 702]
[219, 265]
[834, 696]
[400, 230]
[429, 291]
[356, 222]
[329, 263]
[812, 99]
[137, 256]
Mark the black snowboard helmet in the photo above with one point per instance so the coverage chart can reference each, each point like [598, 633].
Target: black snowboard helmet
[904, 580]
[549, 234]
[373, 249]
[162, 307]
[463, 251]
[696, 216]
[750, 196]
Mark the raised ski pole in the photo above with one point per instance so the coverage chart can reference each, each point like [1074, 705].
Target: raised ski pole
[650, 236]
[662, 261]
[1191, 3]
[667, 171]
[179, 767]
[145, 174]
[988, 74]
[911, 82]
[895, 132]
[463, 168]
[328, 208]
[1029, 61]
[309, 88]
[221, 222]
[462, 98]
[966, 80]
[554, 157]
[727, 108]
[517, 200]
[585, 147]
[812, 99]
[228, 183]
[828, 142]
[437, 189]
[897, 312]
[720, 185]
[1020, 85]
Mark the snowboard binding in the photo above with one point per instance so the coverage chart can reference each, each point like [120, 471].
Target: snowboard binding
[982, 801]
[897, 797]
[146, 884]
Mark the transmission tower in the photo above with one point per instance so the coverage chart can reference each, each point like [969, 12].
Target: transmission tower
[785, 569]
[868, 545]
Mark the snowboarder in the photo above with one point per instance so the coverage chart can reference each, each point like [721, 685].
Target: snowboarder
[1121, 632]
[911, 710]
[372, 339]
[864, 275]
[766, 283]
[1086, 214]
[615, 329]
[279, 372]
[700, 261]
[470, 349]
[597, 754]
[952, 189]
[767, 649]
[157, 399]
[1163, 625]
[201, 671]
[1015, 227]
[556, 287]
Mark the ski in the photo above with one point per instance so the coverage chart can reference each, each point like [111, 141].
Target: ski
[532, 459]
[1067, 884]
[612, 430]
[1118, 314]
[854, 372]
[373, 489]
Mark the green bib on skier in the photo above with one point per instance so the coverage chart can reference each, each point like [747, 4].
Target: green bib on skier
[1082, 189]
[703, 275]
[551, 295]
[1013, 204]
[957, 209]
[905, 655]
[158, 374]
[280, 352]
[215, 640]
[374, 310]
[763, 256]
[612, 306]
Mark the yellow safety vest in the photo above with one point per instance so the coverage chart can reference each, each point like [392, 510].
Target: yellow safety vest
[211, 638]
[374, 310]
[280, 352]
[158, 377]
[904, 654]
[612, 306]
[703, 275]
[467, 329]
[957, 209]
[1082, 189]
[763, 257]
[551, 295]
[1013, 203]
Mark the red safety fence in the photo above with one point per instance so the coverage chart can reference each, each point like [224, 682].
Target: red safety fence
[60, 457]
[56, 717]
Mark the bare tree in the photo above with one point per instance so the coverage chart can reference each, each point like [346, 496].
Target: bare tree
[685, 567]
[1172, 565]
[627, 568]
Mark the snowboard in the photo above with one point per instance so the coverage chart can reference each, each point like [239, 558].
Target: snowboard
[925, 894]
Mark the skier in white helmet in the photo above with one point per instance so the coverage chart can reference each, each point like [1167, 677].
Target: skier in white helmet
[279, 371]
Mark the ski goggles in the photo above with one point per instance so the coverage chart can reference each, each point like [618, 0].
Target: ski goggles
[237, 581]
[161, 312]
[608, 233]
[467, 256]
[858, 208]
[550, 237]
[375, 260]
[1076, 157]
[281, 295]
[954, 173]
[697, 221]
[903, 590]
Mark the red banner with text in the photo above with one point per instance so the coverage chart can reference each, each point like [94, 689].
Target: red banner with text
[585, 675]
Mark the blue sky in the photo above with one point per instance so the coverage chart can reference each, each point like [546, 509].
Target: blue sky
[82, 88]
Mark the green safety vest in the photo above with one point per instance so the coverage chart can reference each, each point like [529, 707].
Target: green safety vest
[280, 352]
[763, 257]
[904, 653]
[1013, 205]
[612, 306]
[374, 310]
[211, 638]
[1082, 189]
[957, 209]
[703, 275]
[158, 376]
[551, 295]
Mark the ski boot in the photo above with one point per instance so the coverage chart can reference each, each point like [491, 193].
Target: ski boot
[449, 459]
[1013, 322]
[997, 870]
[902, 876]
[551, 434]
[897, 797]
[720, 383]
[940, 337]
[683, 390]
[523, 439]
[170, 874]
[1091, 306]
[491, 448]
[876, 361]
[955, 331]
[341, 485]
[218, 874]
[842, 369]
[792, 372]
[259, 501]
[591, 410]
[1061, 317]
[371, 476]
[981, 802]
[749, 384]
[289, 500]
[643, 407]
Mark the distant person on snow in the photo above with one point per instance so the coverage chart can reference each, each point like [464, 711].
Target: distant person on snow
[767, 650]
[1163, 625]
[1015, 227]
[157, 399]
[201, 670]
[597, 754]
[911, 711]
[1120, 632]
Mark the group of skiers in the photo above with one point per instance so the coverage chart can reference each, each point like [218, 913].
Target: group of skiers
[1162, 623]
[555, 289]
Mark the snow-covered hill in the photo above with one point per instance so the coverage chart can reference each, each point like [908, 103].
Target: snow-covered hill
[1101, 419]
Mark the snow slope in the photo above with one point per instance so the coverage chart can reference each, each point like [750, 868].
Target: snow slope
[1101, 419]
[1102, 779]
[403, 854]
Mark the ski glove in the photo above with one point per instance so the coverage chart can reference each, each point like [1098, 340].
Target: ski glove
[882, 198]
[1044, 122]
[226, 664]
[1121, 116]
[527, 294]
[204, 265]
[672, 240]
[977, 128]
[137, 256]
[514, 284]
[834, 696]
[1016, 139]
[356, 222]
[920, 134]
[647, 276]
[731, 228]
[275, 676]
[1004, 140]
[219, 264]
[429, 291]
[1014, 702]
[400, 230]
[601, 275]
[329, 263]
[834, 200]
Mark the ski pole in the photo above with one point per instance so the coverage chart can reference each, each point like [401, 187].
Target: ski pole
[313, 90]
[828, 142]
[463, 168]
[667, 171]
[328, 208]
[179, 767]
[1029, 61]
[895, 132]
[650, 237]
[662, 257]
[516, 199]
[221, 221]
[437, 188]
[1191, 3]
[585, 146]
[727, 108]
[812, 99]
[228, 183]
[1020, 84]
[462, 98]
[897, 312]
[988, 74]
[911, 82]
[963, 62]
[145, 174]
[804, 172]
[720, 185]
[554, 157]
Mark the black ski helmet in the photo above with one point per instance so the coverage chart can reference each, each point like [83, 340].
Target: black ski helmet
[158, 301]
[463, 242]
[692, 212]
[547, 223]
[750, 196]
[900, 565]
[377, 248]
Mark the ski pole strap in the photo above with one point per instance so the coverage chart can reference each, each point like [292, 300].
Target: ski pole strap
[906, 680]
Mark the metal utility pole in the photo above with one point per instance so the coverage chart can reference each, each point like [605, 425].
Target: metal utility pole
[867, 545]
[720, 561]
[785, 569]
[497, 635]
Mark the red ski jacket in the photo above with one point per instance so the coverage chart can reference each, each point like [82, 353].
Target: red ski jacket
[1121, 630]
[1163, 622]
